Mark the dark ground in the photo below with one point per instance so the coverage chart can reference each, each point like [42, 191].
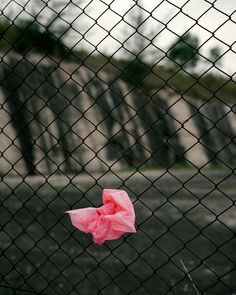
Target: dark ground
[186, 216]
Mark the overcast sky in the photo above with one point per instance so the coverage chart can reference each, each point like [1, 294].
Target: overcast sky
[105, 23]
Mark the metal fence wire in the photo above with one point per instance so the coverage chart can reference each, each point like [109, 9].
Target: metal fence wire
[133, 95]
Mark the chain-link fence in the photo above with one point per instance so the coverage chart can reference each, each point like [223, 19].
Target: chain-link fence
[137, 96]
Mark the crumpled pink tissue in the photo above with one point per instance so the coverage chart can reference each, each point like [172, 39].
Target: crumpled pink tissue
[110, 221]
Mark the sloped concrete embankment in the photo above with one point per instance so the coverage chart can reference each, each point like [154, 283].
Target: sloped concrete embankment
[67, 119]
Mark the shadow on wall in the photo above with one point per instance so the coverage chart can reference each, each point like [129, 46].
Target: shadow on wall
[57, 120]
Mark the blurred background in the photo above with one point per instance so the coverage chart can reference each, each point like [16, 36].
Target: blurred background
[172, 63]
[138, 95]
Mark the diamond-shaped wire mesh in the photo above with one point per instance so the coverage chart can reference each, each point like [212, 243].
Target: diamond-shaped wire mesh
[133, 95]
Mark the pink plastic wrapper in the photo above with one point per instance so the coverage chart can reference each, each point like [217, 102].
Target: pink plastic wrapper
[110, 221]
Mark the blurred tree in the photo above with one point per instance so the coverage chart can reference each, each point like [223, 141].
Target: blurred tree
[25, 35]
[215, 54]
[138, 40]
[55, 18]
[137, 62]
[141, 44]
[184, 51]
[43, 27]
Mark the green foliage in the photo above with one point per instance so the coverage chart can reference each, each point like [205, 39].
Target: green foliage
[214, 54]
[135, 71]
[152, 78]
[198, 86]
[184, 51]
[26, 35]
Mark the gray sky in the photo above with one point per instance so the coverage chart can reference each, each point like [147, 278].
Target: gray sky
[175, 16]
